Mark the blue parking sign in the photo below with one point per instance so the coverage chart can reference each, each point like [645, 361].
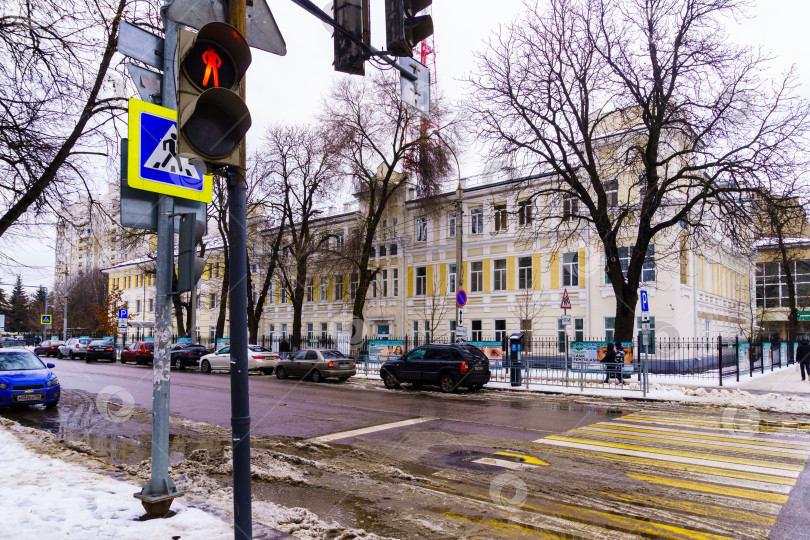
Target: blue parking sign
[645, 306]
[123, 313]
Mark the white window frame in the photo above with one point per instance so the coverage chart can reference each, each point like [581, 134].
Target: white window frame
[421, 229]
[570, 269]
[477, 220]
[499, 275]
[420, 281]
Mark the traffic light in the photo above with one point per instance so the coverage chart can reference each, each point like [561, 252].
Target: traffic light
[403, 27]
[351, 15]
[211, 117]
[189, 266]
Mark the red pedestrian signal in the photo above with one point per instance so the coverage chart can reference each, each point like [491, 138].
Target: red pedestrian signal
[212, 64]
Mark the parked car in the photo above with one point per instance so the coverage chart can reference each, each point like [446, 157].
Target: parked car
[449, 366]
[26, 380]
[259, 358]
[49, 347]
[186, 354]
[316, 364]
[140, 352]
[74, 347]
[100, 349]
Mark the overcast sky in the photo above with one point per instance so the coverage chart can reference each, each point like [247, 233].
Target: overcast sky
[290, 88]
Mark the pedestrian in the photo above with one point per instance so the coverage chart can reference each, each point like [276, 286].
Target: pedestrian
[284, 347]
[609, 359]
[803, 357]
[619, 361]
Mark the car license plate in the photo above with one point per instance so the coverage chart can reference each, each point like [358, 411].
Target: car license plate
[29, 397]
[343, 364]
[479, 368]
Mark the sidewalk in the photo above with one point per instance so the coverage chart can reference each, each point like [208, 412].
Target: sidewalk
[787, 379]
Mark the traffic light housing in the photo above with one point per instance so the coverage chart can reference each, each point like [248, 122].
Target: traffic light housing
[211, 117]
[189, 266]
[351, 16]
[403, 27]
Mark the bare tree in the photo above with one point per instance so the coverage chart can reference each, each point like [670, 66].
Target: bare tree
[436, 306]
[57, 99]
[637, 116]
[375, 134]
[302, 167]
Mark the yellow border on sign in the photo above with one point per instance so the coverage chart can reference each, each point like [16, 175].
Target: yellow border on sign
[43, 317]
[134, 180]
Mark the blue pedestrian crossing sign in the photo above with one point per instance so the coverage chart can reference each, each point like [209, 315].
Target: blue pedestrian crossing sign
[153, 163]
[123, 313]
[645, 306]
[45, 319]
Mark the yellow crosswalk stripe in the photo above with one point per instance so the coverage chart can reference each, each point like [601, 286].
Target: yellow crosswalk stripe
[737, 419]
[691, 443]
[678, 453]
[530, 460]
[709, 510]
[737, 427]
[709, 488]
[756, 441]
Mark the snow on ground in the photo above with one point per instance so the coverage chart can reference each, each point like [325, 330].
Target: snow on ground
[46, 497]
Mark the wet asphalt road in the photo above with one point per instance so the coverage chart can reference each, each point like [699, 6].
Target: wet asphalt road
[491, 464]
[299, 408]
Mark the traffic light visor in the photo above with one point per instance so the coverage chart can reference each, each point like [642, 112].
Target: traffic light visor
[215, 123]
[218, 58]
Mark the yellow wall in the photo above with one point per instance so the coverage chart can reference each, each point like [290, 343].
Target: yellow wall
[410, 282]
[429, 280]
[537, 265]
[443, 278]
[582, 268]
[487, 276]
[555, 270]
[510, 273]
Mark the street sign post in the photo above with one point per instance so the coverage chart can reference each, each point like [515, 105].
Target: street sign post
[153, 163]
[645, 306]
[461, 334]
[566, 300]
[141, 45]
[45, 319]
[461, 298]
[415, 93]
[123, 313]
[565, 320]
[122, 325]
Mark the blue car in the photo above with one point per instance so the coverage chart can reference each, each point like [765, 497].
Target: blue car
[26, 380]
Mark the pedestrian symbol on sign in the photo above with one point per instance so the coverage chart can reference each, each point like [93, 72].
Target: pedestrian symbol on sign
[566, 300]
[164, 158]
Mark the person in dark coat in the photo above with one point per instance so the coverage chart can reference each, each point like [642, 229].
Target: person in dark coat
[803, 357]
[284, 346]
[610, 362]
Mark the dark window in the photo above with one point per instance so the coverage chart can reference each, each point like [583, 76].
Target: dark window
[311, 355]
[416, 354]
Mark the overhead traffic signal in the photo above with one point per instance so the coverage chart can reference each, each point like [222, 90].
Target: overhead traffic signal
[211, 117]
[189, 266]
[353, 17]
[403, 27]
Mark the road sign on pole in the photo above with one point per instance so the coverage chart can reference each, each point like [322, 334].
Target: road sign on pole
[45, 319]
[123, 313]
[154, 164]
[565, 320]
[122, 325]
[566, 301]
[645, 306]
[461, 298]
[415, 93]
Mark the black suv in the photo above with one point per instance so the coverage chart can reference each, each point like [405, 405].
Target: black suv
[449, 366]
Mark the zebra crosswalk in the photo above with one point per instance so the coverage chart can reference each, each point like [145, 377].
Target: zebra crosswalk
[703, 476]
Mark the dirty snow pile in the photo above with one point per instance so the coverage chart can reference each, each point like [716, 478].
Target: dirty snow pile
[46, 497]
[733, 397]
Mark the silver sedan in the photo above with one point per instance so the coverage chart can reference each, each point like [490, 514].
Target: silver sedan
[316, 364]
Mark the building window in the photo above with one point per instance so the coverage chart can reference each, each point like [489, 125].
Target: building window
[373, 252]
[771, 289]
[501, 217]
[524, 272]
[421, 229]
[500, 330]
[310, 331]
[339, 240]
[383, 251]
[394, 232]
[395, 286]
[384, 232]
[385, 283]
[499, 275]
[648, 269]
[393, 250]
[152, 304]
[322, 286]
[579, 329]
[561, 336]
[477, 221]
[476, 276]
[524, 212]
[421, 281]
[353, 285]
[213, 300]
[338, 327]
[310, 290]
[338, 288]
[570, 262]
[284, 290]
[373, 286]
[610, 328]
[284, 330]
[212, 334]
[612, 192]
[570, 207]
[324, 331]
[475, 331]
[451, 277]
[451, 225]
[137, 306]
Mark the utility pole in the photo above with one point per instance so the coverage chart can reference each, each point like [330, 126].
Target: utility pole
[160, 491]
[237, 252]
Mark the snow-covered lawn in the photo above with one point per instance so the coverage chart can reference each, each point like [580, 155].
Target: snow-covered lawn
[45, 497]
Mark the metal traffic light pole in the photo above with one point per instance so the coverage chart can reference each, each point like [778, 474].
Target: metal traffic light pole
[160, 491]
[237, 253]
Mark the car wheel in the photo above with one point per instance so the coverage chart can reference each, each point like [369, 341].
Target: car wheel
[281, 373]
[51, 405]
[59, 355]
[177, 363]
[390, 381]
[72, 356]
[447, 383]
[205, 366]
[316, 376]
